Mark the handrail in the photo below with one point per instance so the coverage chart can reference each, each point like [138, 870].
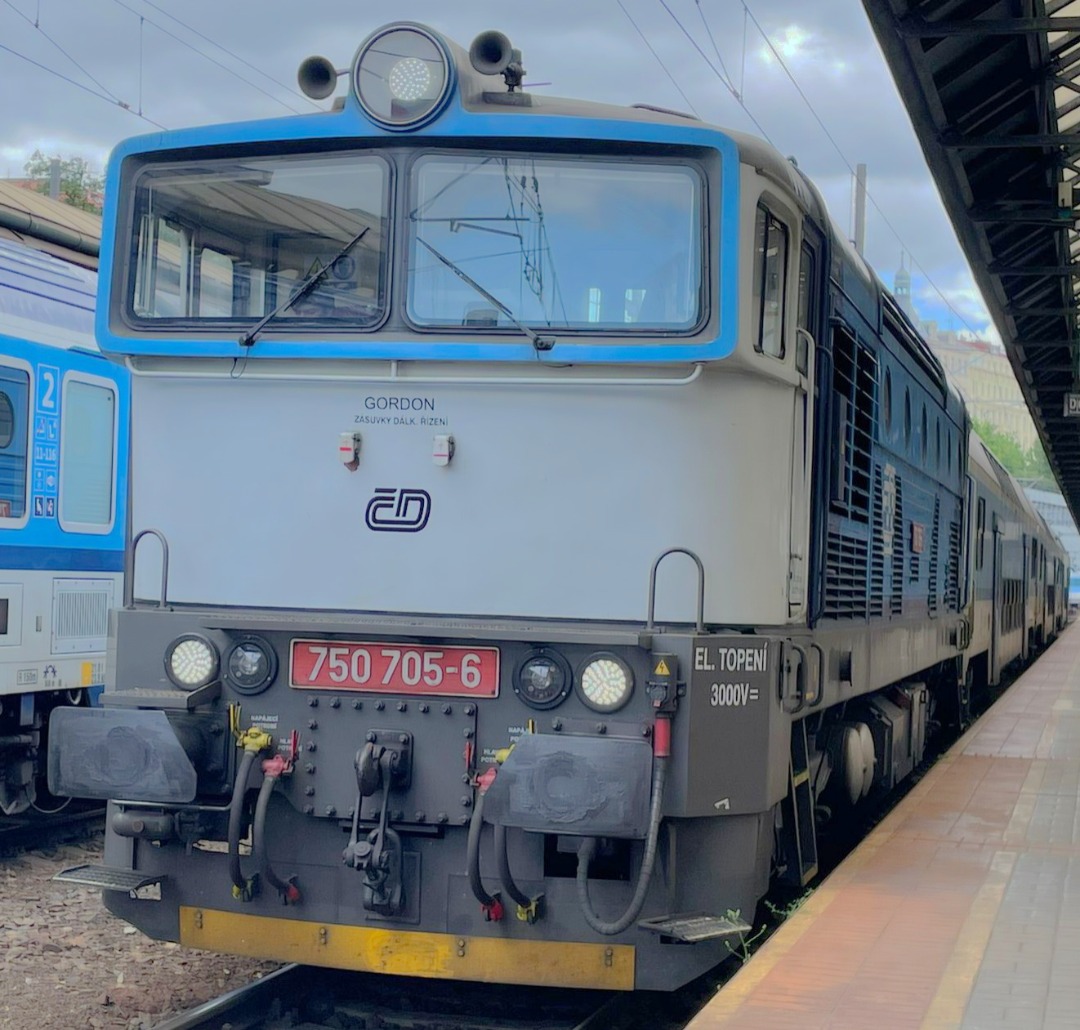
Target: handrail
[651, 621]
[129, 583]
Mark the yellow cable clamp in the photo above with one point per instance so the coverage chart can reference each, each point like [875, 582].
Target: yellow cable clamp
[531, 912]
[251, 739]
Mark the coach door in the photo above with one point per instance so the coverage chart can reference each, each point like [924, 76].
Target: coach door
[996, 594]
[1025, 593]
[807, 328]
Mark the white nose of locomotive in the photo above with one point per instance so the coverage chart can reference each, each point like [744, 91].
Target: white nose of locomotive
[404, 73]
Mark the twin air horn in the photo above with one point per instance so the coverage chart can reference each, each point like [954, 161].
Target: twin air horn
[489, 54]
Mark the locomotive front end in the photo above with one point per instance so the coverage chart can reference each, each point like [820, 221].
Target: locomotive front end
[435, 510]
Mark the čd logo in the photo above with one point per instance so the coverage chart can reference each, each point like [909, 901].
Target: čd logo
[398, 510]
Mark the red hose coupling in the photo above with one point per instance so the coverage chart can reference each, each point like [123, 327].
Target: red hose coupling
[487, 778]
[661, 745]
[276, 766]
[291, 894]
[494, 911]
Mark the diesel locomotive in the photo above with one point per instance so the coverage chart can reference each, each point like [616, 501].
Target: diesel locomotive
[538, 512]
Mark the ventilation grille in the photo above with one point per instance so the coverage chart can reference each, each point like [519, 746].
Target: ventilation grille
[933, 599]
[877, 561]
[898, 541]
[845, 593]
[952, 578]
[80, 615]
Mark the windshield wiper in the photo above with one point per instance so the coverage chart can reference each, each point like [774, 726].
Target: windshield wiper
[540, 343]
[313, 280]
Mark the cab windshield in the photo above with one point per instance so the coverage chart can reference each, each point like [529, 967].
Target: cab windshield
[561, 242]
[232, 240]
[488, 243]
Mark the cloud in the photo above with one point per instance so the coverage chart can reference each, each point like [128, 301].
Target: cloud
[190, 62]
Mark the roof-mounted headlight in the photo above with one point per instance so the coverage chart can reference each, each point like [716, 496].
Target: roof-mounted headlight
[402, 76]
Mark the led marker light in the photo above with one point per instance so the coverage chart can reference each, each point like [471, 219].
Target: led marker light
[409, 79]
[606, 683]
[191, 662]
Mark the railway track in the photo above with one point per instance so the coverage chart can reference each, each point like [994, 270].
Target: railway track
[306, 998]
[35, 829]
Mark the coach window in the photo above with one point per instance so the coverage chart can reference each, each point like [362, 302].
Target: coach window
[14, 441]
[770, 281]
[907, 417]
[87, 455]
[925, 434]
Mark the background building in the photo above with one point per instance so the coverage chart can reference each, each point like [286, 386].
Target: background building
[979, 369]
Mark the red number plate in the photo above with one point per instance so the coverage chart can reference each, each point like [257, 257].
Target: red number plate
[395, 668]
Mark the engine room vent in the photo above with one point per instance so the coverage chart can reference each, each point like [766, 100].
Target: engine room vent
[933, 595]
[80, 615]
[898, 541]
[877, 560]
[952, 575]
[845, 594]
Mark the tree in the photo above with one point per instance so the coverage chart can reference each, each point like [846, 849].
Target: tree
[1030, 466]
[78, 184]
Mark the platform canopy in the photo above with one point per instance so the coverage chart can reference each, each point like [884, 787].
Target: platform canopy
[993, 91]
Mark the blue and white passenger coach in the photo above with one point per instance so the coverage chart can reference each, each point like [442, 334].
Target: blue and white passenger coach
[424, 389]
[63, 449]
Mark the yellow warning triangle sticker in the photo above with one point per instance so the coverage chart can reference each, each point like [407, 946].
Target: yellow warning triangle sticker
[316, 266]
[661, 668]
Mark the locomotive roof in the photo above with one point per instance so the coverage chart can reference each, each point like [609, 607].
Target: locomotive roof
[44, 298]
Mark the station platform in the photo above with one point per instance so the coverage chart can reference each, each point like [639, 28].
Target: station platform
[962, 907]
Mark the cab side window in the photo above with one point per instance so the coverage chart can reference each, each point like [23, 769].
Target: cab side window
[770, 281]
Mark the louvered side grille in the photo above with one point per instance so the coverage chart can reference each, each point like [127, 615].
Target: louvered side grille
[877, 561]
[80, 615]
[845, 592]
[897, 601]
[933, 600]
[952, 579]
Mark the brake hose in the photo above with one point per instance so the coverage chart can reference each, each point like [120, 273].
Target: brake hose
[290, 893]
[490, 903]
[242, 888]
[588, 849]
[505, 876]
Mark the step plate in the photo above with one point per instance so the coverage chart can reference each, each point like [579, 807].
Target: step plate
[173, 700]
[694, 926]
[107, 878]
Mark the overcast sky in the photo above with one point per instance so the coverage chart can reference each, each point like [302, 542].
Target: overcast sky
[189, 62]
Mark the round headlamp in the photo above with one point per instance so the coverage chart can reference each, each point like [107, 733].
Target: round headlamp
[606, 682]
[542, 679]
[191, 661]
[250, 665]
[402, 76]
